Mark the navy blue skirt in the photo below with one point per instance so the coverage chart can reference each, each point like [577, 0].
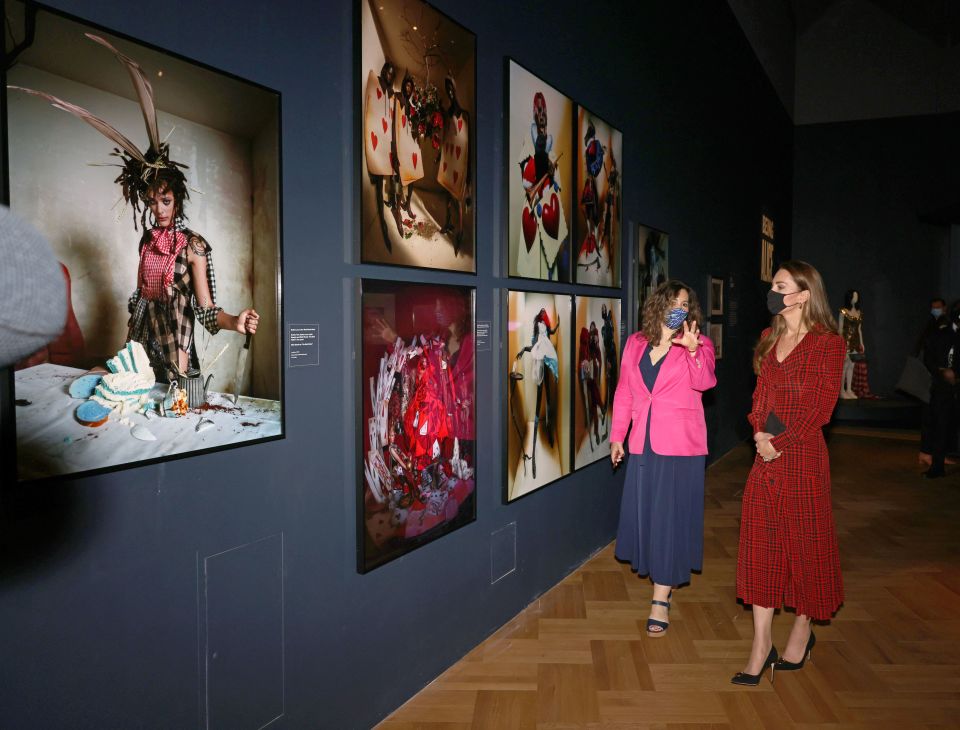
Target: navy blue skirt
[661, 516]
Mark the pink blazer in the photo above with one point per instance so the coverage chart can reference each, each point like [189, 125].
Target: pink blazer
[675, 406]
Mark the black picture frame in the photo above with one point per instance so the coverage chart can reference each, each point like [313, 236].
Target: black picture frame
[596, 252]
[716, 337]
[391, 512]
[587, 309]
[514, 146]
[715, 285]
[44, 46]
[381, 23]
[517, 336]
[651, 264]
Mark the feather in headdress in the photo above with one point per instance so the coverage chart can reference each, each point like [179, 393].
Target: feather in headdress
[139, 169]
[141, 85]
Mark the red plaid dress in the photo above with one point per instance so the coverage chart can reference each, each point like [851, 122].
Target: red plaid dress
[788, 545]
[163, 308]
[861, 382]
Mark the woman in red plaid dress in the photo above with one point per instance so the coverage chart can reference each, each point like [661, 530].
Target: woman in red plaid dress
[788, 545]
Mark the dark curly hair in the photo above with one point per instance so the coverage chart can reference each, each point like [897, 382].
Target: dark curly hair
[660, 302]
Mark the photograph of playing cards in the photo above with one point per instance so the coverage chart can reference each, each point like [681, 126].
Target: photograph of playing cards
[418, 103]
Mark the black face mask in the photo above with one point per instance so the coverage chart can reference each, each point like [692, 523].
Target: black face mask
[775, 302]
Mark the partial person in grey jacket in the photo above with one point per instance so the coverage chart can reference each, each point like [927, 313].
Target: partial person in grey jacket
[33, 292]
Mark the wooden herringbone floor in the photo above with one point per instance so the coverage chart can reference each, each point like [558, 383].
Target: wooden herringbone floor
[578, 657]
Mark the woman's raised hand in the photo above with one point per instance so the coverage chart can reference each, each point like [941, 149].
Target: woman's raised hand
[689, 337]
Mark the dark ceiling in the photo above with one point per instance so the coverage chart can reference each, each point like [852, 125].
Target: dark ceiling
[938, 20]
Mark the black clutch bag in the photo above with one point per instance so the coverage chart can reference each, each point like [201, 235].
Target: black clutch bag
[774, 426]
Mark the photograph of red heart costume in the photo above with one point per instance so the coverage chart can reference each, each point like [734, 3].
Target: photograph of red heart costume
[539, 172]
[418, 471]
[417, 100]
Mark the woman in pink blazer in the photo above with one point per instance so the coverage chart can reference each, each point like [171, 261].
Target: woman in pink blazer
[664, 370]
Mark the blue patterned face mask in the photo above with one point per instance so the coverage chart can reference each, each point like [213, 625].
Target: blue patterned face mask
[675, 317]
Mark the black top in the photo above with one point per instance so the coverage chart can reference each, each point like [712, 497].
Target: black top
[648, 370]
[649, 373]
[942, 350]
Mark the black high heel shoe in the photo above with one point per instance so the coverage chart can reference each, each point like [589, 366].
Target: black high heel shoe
[784, 666]
[752, 680]
[655, 628]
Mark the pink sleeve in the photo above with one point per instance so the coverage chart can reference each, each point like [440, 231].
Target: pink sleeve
[623, 397]
[701, 366]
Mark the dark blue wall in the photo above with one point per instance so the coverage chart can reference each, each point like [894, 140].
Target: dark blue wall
[866, 194]
[101, 601]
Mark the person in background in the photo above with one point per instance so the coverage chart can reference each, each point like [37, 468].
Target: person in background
[664, 371]
[941, 355]
[936, 320]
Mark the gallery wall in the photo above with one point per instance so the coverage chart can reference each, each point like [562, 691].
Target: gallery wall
[221, 589]
[872, 206]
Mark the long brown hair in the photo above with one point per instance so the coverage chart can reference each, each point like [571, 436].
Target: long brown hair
[815, 316]
[660, 302]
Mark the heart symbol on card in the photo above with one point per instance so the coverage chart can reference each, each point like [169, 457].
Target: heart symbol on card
[459, 125]
[551, 216]
[403, 121]
[458, 152]
[529, 224]
[414, 160]
[379, 93]
[383, 121]
[455, 176]
[373, 139]
[444, 166]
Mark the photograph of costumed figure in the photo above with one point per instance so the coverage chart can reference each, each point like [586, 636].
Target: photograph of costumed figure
[539, 174]
[597, 238]
[156, 182]
[597, 324]
[652, 263]
[538, 390]
[419, 468]
[416, 86]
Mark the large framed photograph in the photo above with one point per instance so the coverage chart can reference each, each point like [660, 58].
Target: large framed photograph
[416, 110]
[538, 390]
[157, 182]
[539, 169]
[598, 232]
[597, 360]
[418, 473]
[652, 268]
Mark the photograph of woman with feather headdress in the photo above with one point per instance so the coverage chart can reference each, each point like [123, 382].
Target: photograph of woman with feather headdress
[163, 344]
